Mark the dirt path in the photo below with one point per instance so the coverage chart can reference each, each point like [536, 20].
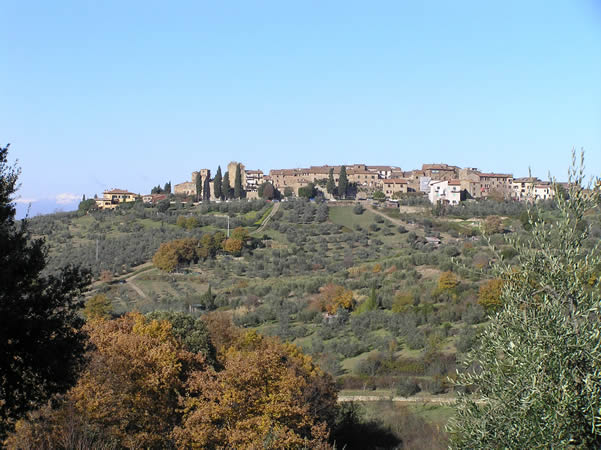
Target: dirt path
[379, 398]
[275, 208]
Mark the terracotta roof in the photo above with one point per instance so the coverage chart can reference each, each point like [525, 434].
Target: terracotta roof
[254, 172]
[438, 167]
[387, 168]
[119, 191]
[526, 180]
[395, 181]
[495, 175]
[455, 182]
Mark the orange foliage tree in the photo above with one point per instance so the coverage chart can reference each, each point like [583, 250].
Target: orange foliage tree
[333, 296]
[173, 254]
[268, 395]
[130, 389]
[233, 246]
[489, 294]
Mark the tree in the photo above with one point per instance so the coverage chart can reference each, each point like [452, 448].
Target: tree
[288, 191]
[130, 389]
[217, 191]
[225, 186]
[206, 192]
[342, 182]
[379, 196]
[87, 205]
[307, 191]
[98, 307]
[192, 332]
[447, 281]
[238, 188]
[535, 369]
[370, 303]
[198, 182]
[268, 395]
[163, 205]
[233, 246]
[267, 191]
[171, 255]
[493, 224]
[489, 294]
[167, 188]
[40, 328]
[333, 297]
[331, 185]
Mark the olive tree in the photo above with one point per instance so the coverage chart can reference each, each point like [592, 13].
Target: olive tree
[536, 370]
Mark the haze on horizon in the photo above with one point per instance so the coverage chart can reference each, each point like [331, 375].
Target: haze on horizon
[132, 95]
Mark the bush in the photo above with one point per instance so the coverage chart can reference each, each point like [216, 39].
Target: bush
[358, 209]
[407, 387]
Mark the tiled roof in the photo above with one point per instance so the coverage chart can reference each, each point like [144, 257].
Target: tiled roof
[119, 191]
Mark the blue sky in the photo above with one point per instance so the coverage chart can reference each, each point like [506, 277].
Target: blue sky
[131, 94]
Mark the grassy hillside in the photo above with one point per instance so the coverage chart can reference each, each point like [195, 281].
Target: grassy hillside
[407, 341]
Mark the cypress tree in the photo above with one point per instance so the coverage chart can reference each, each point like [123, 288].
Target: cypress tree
[342, 183]
[331, 185]
[217, 184]
[225, 186]
[238, 190]
[198, 186]
[206, 192]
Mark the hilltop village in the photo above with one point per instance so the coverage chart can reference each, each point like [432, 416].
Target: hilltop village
[441, 183]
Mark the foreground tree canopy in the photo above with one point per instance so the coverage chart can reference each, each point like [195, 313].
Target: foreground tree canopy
[146, 387]
[42, 345]
[536, 372]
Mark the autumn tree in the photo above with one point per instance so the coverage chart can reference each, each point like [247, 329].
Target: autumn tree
[268, 395]
[192, 332]
[130, 389]
[42, 345]
[98, 307]
[489, 294]
[233, 246]
[171, 255]
[333, 297]
[447, 281]
[534, 372]
[217, 192]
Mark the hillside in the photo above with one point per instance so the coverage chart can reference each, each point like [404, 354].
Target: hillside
[412, 277]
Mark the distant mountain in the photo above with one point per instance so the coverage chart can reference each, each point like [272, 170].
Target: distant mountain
[45, 206]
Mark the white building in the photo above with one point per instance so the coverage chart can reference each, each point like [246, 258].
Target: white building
[445, 191]
[543, 191]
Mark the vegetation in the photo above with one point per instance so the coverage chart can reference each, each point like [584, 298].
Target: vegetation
[535, 370]
[385, 300]
[40, 329]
